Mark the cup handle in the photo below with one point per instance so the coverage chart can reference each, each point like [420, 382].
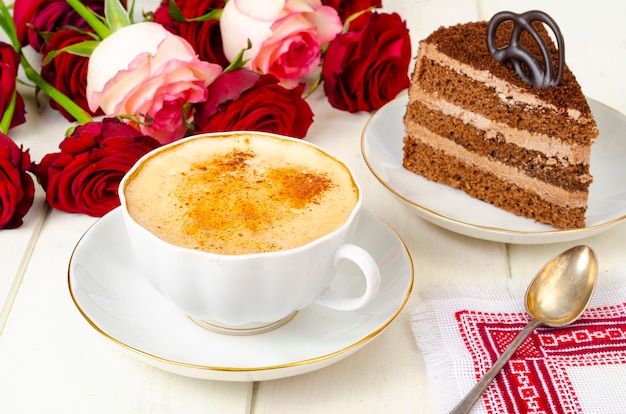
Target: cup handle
[371, 272]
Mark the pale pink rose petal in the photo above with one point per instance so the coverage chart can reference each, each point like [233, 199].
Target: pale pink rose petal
[116, 51]
[237, 28]
[302, 5]
[119, 86]
[176, 77]
[132, 53]
[267, 10]
[327, 22]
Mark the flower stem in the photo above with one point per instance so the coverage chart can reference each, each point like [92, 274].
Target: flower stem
[91, 18]
[76, 111]
[7, 117]
[7, 24]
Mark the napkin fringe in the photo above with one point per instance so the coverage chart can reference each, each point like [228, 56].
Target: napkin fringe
[429, 341]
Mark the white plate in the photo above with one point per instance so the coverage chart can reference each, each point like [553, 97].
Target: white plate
[456, 211]
[111, 293]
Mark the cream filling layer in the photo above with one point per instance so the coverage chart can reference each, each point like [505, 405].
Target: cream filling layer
[507, 93]
[550, 193]
[551, 147]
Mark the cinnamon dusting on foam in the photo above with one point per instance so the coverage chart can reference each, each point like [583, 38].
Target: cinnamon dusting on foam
[262, 195]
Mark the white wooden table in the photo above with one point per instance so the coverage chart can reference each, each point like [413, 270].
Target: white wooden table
[52, 361]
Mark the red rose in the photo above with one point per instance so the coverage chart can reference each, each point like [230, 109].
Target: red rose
[48, 16]
[368, 65]
[84, 176]
[9, 64]
[242, 100]
[68, 72]
[347, 8]
[17, 189]
[205, 36]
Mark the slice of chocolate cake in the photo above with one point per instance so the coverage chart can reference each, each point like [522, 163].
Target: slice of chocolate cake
[475, 124]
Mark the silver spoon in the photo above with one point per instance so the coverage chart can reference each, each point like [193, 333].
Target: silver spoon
[556, 296]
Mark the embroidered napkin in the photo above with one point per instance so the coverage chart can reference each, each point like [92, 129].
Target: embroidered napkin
[462, 329]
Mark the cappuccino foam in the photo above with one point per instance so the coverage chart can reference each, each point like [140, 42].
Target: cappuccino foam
[240, 194]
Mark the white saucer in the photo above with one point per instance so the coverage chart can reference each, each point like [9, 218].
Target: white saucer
[454, 210]
[113, 296]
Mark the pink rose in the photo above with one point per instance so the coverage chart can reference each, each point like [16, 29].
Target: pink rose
[286, 36]
[145, 71]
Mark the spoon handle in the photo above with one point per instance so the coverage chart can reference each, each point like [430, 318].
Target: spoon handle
[475, 393]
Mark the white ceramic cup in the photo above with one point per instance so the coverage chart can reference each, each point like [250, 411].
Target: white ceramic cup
[250, 293]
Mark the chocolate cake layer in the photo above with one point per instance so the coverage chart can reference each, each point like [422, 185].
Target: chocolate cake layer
[437, 166]
[466, 43]
[555, 170]
[452, 86]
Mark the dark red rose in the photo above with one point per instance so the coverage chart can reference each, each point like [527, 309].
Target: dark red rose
[205, 36]
[242, 100]
[48, 16]
[68, 72]
[9, 64]
[368, 65]
[347, 8]
[17, 189]
[84, 176]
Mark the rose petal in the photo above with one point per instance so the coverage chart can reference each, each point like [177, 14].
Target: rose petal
[268, 10]
[237, 29]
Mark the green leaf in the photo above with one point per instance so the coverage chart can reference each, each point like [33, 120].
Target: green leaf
[131, 12]
[177, 15]
[238, 62]
[80, 49]
[116, 15]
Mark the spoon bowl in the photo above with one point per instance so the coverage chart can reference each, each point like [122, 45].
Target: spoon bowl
[562, 288]
[557, 296]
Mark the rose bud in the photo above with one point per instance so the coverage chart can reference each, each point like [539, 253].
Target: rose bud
[17, 189]
[84, 176]
[247, 101]
[67, 71]
[367, 66]
[9, 65]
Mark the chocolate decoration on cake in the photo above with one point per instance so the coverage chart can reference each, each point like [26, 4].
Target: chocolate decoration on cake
[527, 66]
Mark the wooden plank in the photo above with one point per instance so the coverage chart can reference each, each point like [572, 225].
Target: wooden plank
[47, 346]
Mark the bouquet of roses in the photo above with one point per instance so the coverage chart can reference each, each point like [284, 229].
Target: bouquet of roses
[190, 66]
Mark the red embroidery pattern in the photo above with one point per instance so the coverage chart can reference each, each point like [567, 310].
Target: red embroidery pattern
[536, 379]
